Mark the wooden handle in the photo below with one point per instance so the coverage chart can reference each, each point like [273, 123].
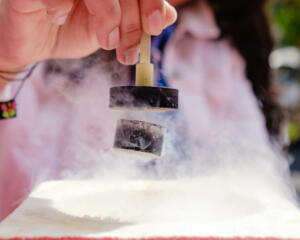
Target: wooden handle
[145, 55]
[144, 70]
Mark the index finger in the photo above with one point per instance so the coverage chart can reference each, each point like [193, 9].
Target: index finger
[105, 18]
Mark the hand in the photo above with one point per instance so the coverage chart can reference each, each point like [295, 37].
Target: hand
[34, 30]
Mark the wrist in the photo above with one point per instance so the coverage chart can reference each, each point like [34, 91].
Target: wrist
[8, 73]
[7, 69]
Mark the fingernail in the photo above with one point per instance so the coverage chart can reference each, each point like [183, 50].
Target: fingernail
[114, 38]
[132, 55]
[60, 20]
[155, 22]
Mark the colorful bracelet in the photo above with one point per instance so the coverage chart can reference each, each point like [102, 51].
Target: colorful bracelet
[8, 109]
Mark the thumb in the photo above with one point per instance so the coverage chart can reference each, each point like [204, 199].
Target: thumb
[170, 14]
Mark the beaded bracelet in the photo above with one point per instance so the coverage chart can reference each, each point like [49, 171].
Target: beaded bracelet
[8, 109]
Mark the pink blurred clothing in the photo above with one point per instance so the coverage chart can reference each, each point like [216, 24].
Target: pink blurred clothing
[210, 76]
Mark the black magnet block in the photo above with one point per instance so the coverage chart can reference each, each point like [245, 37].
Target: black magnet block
[144, 98]
[139, 136]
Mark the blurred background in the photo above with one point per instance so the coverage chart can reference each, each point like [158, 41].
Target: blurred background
[285, 62]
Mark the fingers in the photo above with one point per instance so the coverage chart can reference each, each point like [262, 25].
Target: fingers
[131, 32]
[118, 23]
[156, 15]
[152, 16]
[115, 24]
[57, 10]
[107, 31]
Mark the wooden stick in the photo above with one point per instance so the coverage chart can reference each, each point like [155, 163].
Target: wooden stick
[144, 70]
[145, 56]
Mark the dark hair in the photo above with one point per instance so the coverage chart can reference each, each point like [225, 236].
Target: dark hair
[245, 24]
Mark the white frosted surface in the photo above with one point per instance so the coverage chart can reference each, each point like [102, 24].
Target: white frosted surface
[212, 205]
